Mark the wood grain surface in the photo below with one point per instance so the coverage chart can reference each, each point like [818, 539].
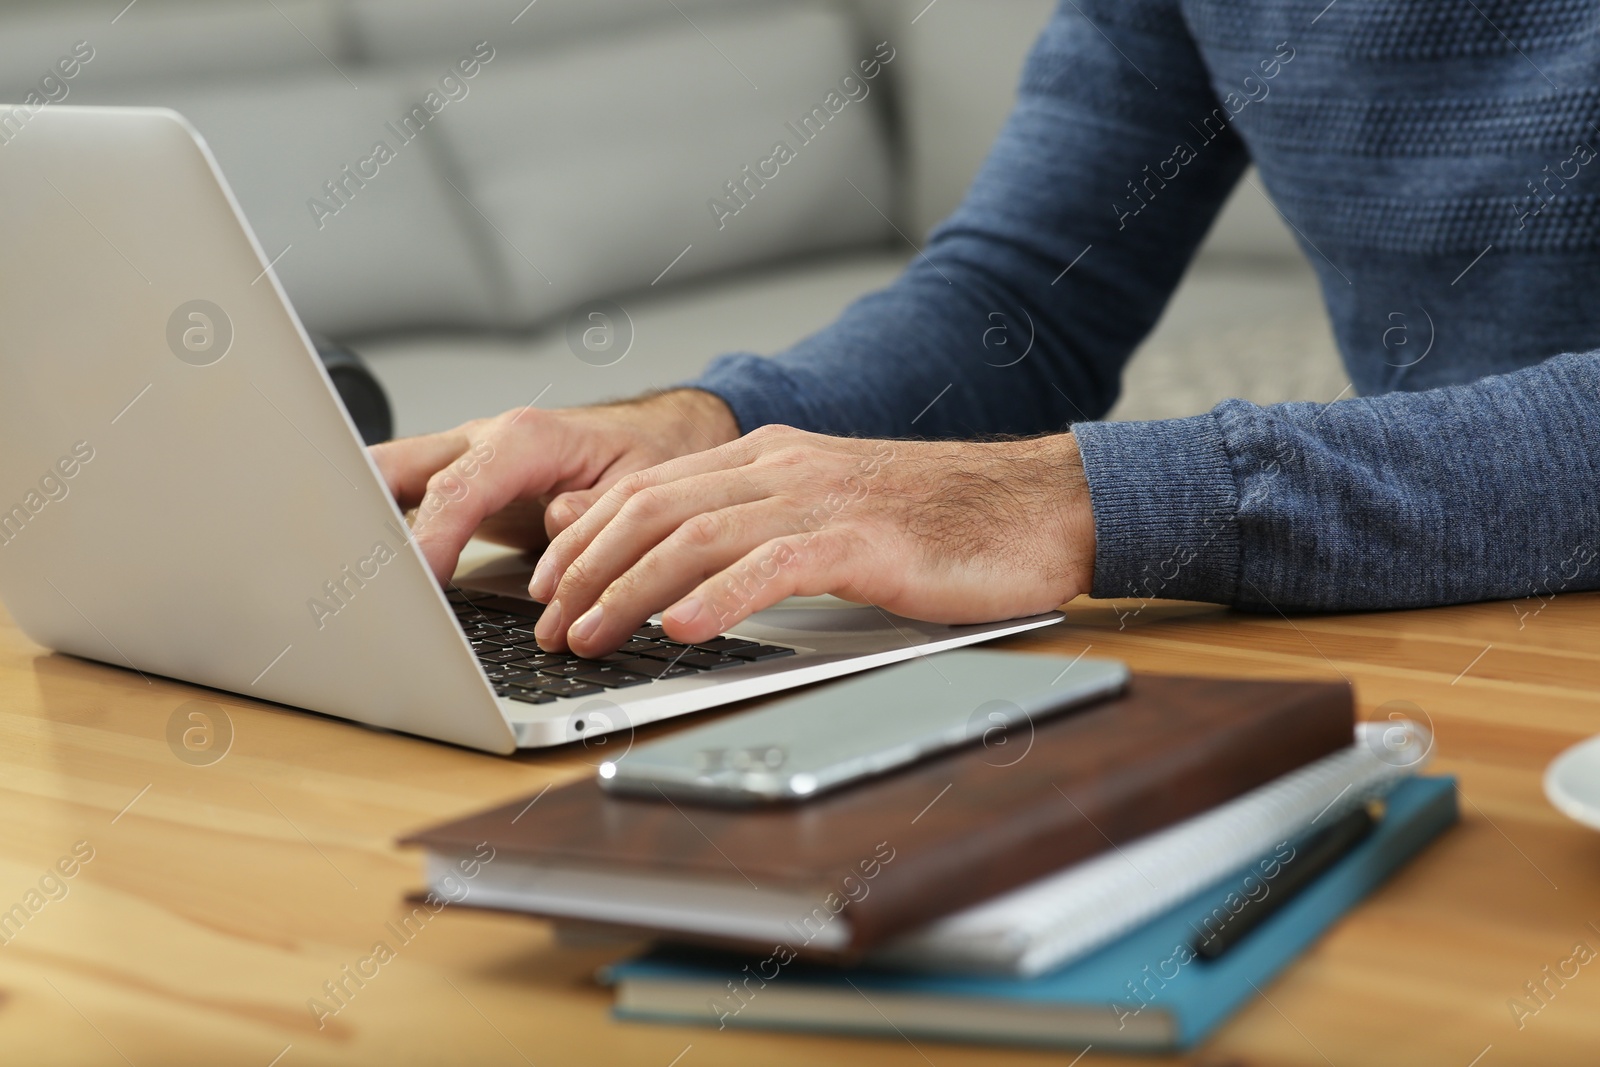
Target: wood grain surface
[233, 873]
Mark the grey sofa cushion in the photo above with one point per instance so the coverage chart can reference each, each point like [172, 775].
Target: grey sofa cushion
[963, 59]
[439, 381]
[593, 167]
[555, 175]
[167, 40]
[390, 31]
[399, 252]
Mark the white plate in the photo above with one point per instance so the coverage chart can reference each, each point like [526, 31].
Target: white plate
[1572, 782]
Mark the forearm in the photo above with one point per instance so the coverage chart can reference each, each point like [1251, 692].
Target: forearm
[1482, 491]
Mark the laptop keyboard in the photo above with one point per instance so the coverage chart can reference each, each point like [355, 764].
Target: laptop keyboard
[500, 630]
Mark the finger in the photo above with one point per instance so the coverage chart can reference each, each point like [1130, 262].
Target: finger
[736, 454]
[645, 520]
[639, 494]
[698, 548]
[567, 508]
[805, 564]
[407, 464]
[460, 497]
[777, 446]
[503, 466]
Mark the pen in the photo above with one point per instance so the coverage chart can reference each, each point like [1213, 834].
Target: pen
[1316, 855]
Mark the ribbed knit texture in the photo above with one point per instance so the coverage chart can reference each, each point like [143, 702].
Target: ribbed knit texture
[1440, 164]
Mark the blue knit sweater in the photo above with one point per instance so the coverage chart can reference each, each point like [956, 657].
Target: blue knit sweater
[1437, 158]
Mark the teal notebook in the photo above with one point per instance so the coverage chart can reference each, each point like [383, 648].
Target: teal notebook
[1145, 991]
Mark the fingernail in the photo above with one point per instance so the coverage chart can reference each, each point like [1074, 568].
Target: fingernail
[586, 625]
[549, 623]
[544, 579]
[685, 613]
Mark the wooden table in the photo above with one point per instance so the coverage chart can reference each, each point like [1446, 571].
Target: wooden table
[220, 897]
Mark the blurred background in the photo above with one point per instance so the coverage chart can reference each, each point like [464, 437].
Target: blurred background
[575, 164]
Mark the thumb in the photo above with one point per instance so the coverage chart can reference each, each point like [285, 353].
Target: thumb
[566, 509]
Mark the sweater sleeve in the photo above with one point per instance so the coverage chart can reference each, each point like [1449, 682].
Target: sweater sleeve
[1481, 491]
[1021, 311]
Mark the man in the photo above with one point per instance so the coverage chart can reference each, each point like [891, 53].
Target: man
[1437, 157]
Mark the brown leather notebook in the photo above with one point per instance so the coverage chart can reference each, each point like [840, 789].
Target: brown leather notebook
[849, 870]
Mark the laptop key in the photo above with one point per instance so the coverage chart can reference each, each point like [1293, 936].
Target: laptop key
[756, 653]
[708, 661]
[564, 669]
[496, 641]
[640, 645]
[516, 612]
[724, 646]
[612, 678]
[654, 668]
[569, 666]
[666, 652]
[650, 633]
[504, 678]
[502, 655]
[535, 663]
[531, 696]
[565, 687]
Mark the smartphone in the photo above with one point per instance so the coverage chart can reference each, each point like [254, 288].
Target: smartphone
[865, 725]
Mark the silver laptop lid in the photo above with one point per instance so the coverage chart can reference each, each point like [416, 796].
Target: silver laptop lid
[180, 490]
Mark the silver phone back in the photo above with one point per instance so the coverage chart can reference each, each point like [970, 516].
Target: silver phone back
[844, 731]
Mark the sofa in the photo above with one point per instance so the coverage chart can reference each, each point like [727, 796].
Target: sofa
[500, 202]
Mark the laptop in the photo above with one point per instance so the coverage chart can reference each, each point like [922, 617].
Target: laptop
[182, 493]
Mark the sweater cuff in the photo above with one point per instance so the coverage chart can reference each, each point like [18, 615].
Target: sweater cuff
[757, 390]
[1166, 509]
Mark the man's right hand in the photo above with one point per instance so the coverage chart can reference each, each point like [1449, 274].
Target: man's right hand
[522, 477]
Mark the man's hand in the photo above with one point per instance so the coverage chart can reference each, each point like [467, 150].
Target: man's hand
[526, 475]
[947, 532]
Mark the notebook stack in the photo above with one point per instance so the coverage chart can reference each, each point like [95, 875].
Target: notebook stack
[1128, 882]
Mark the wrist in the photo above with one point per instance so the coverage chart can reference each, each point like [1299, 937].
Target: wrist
[711, 420]
[1078, 515]
[679, 422]
[1065, 519]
